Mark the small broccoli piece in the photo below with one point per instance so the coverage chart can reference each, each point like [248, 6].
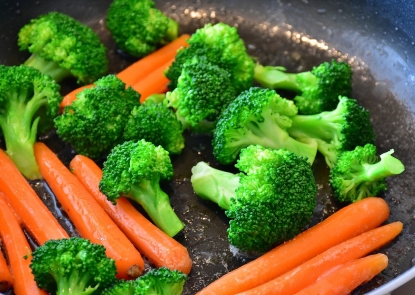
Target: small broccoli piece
[270, 201]
[335, 131]
[29, 100]
[138, 27]
[63, 47]
[156, 123]
[257, 116]
[94, 123]
[121, 287]
[135, 169]
[359, 173]
[72, 266]
[204, 90]
[219, 44]
[318, 89]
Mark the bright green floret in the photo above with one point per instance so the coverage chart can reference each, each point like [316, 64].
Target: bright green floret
[29, 100]
[219, 44]
[135, 169]
[94, 123]
[257, 116]
[270, 201]
[360, 173]
[335, 131]
[203, 91]
[138, 27]
[63, 47]
[318, 89]
[72, 266]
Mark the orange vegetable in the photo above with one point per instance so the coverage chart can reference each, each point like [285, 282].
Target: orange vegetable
[89, 218]
[158, 247]
[17, 248]
[346, 223]
[6, 280]
[307, 273]
[32, 212]
[344, 279]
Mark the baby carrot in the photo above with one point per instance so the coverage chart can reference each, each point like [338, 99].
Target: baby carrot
[88, 217]
[346, 223]
[344, 279]
[307, 273]
[6, 280]
[18, 252]
[32, 212]
[153, 243]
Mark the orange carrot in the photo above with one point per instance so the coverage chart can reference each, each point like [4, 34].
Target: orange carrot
[158, 247]
[344, 279]
[89, 218]
[18, 252]
[307, 273]
[346, 223]
[24, 201]
[6, 280]
[140, 69]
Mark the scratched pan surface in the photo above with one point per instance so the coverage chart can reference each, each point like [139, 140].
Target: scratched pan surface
[376, 38]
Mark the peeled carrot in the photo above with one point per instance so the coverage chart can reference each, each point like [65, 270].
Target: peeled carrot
[158, 247]
[346, 278]
[346, 223]
[6, 280]
[307, 273]
[18, 252]
[89, 218]
[32, 212]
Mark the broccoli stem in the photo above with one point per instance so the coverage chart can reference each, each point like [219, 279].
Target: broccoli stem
[214, 185]
[75, 284]
[48, 67]
[157, 205]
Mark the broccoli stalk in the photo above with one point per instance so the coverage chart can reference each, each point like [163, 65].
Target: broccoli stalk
[48, 67]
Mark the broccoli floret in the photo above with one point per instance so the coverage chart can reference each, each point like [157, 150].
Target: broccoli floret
[156, 123]
[219, 44]
[135, 169]
[335, 131]
[94, 123]
[318, 90]
[360, 173]
[204, 90]
[63, 47]
[72, 266]
[29, 100]
[270, 201]
[138, 27]
[121, 287]
[257, 116]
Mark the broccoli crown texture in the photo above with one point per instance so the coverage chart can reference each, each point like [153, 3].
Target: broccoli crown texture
[94, 123]
[121, 287]
[257, 116]
[156, 123]
[335, 131]
[61, 47]
[219, 44]
[29, 100]
[360, 173]
[135, 170]
[72, 266]
[138, 27]
[270, 201]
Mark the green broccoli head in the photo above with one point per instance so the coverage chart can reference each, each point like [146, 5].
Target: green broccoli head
[135, 169]
[29, 101]
[94, 123]
[121, 287]
[360, 173]
[219, 44]
[257, 116]
[335, 131]
[72, 266]
[138, 27]
[62, 47]
[318, 90]
[270, 201]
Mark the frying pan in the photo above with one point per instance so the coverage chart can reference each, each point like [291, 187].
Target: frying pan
[376, 37]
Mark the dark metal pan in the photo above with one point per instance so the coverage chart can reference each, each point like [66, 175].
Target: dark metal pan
[376, 37]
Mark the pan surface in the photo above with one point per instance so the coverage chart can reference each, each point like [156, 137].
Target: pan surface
[376, 37]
